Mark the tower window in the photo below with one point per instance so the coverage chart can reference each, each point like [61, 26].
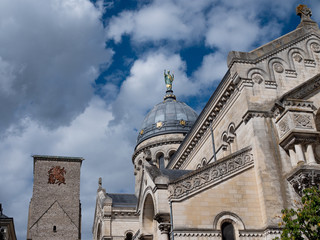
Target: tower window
[54, 229]
[227, 231]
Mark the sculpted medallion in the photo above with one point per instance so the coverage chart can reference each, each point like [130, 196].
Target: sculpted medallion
[56, 175]
[315, 47]
[278, 68]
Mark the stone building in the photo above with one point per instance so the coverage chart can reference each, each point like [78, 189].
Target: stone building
[227, 173]
[55, 209]
[7, 231]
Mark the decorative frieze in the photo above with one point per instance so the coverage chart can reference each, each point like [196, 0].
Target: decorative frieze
[211, 174]
[252, 114]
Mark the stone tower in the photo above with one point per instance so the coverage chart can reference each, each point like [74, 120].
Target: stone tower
[55, 209]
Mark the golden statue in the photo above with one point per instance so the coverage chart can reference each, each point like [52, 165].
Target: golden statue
[168, 78]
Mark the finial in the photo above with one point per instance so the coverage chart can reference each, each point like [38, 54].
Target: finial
[304, 12]
[168, 79]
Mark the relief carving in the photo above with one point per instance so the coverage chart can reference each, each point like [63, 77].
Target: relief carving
[278, 68]
[283, 127]
[315, 47]
[302, 121]
[297, 57]
[257, 78]
[212, 173]
[56, 175]
[305, 178]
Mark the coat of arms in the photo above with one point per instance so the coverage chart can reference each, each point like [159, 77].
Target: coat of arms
[56, 175]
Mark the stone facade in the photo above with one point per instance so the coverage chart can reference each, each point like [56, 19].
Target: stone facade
[55, 209]
[251, 152]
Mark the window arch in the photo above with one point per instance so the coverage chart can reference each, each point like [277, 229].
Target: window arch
[171, 154]
[228, 223]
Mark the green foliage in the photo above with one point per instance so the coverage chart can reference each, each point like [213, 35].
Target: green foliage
[304, 221]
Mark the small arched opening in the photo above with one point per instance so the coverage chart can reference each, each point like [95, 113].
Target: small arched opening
[129, 236]
[148, 216]
[160, 160]
[227, 231]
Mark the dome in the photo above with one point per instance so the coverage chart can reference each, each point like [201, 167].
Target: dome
[169, 116]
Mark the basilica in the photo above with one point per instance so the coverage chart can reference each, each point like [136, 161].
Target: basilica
[227, 173]
[223, 174]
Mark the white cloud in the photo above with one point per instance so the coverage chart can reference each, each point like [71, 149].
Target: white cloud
[51, 48]
[161, 20]
[212, 69]
[88, 137]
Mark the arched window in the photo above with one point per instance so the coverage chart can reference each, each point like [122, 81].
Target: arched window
[171, 153]
[160, 160]
[227, 231]
[129, 236]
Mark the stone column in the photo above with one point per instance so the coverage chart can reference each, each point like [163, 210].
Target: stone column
[310, 154]
[293, 157]
[299, 153]
[165, 230]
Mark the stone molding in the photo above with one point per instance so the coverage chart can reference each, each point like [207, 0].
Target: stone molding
[303, 90]
[305, 177]
[253, 114]
[258, 54]
[198, 234]
[211, 174]
[260, 234]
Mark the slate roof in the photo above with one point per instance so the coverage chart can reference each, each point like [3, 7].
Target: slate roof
[123, 200]
[173, 174]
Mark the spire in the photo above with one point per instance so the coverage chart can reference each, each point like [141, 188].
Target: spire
[168, 79]
[305, 14]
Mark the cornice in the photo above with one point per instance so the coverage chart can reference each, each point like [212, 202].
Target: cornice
[253, 56]
[303, 90]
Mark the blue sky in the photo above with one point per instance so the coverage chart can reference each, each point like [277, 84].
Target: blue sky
[78, 77]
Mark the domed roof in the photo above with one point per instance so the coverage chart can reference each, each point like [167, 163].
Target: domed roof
[169, 116]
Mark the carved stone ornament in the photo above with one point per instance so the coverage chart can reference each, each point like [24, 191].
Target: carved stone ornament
[302, 121]
[257, 78]
[164, 228]
[304, 178]
[212, 173]
[278, 68]
[159, 124]
[283, 127]
[315, 47]
[56, 175]
[297, 57]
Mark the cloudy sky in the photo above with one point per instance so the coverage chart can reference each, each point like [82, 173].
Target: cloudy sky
[77, 78]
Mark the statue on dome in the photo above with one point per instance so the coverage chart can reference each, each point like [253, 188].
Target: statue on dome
[168, 78]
